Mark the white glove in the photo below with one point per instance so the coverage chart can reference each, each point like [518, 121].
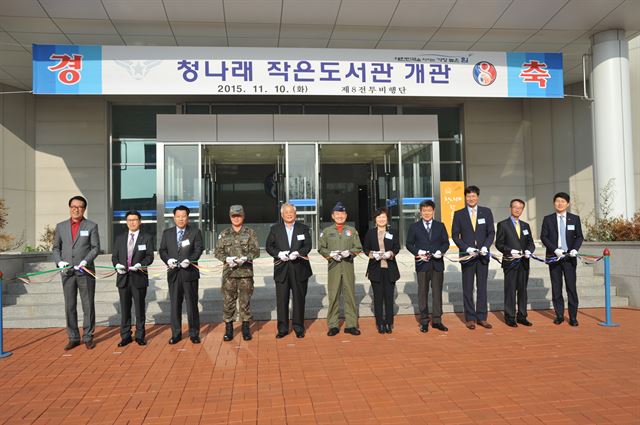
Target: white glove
[387, 255]
[376, 255]
[421, 252]
[121, 269]
[240, 261]
[283, 255]
[185, 263]
[527, 254]
[515, 252]
[135, 267]
[335, 255]
[294, 255]
[573, 253]
[81, 265]
[172, 263]
[231, 261]
[62, 264]
[484, 250]
[345, 254]
[471, 250]
[559, 253]
[437, 254]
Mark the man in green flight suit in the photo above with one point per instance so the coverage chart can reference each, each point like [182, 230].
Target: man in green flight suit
[340, 244]
[237, 247]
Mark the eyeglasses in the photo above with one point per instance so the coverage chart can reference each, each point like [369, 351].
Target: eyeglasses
[76, 207]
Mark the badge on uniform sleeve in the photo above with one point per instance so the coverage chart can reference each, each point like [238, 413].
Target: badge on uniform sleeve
[84, 233]
[142, 247]
[300, 237]
[571, 227]
[347, 232]
[525, 232]
[388, 236]
[185, 243]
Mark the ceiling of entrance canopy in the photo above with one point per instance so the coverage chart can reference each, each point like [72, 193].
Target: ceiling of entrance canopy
[480, 25]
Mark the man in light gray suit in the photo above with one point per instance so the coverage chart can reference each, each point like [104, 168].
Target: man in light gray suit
[75, 246]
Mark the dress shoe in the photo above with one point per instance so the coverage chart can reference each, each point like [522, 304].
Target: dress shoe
[573, 322]
[333, 331]
[512, 323]
[246, 332]
[524, 322]
[440, 327]
[281, 334]
[228, 331]
[424, 328]
[485, 324]
[141, 341]
[71, 345]
[382, 329]
[299, 333]
[470, 324]
[195, 339]
[352, 331]
[125, 342]
[389, 328]
[558, 320]
[175, 339]
[90, 344]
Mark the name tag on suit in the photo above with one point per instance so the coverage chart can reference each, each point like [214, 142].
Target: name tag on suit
[300, 237]
[142, 247]
[481, 221]
[388, 236]
[84, 233]
[571, 227]
[525, 232]
[185, 243]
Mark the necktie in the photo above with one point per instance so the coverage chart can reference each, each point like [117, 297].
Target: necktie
[130, 246]
[473, 219]
[518, 228]
[180, 236]
[563, 234]
[429, 229]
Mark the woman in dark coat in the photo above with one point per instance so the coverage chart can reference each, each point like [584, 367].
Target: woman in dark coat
[381, 245]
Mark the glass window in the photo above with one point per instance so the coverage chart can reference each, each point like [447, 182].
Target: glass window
[137, 121]
[197, 108]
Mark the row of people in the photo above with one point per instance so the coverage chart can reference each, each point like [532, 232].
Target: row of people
[77, 244]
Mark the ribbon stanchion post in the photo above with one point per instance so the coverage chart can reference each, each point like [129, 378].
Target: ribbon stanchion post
[2, 352]
[607, 290]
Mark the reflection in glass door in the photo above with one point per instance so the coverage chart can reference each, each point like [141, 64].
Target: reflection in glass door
[420, 179]
[301, 183]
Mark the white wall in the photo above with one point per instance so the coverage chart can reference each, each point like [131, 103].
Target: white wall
[634, 75]
[72, 159]
[17, 166]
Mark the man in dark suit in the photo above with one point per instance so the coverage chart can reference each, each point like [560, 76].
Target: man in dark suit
[288, 243]
[428, 241]
[515, 241]
[181, 246]
[132, 253]
[75, 247]
[472, 231]
[562, 236]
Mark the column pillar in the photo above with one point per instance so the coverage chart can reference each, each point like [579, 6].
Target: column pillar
[612, 144]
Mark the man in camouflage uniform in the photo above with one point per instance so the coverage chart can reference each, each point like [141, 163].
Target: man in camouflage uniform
[340, 244]
[237, 247]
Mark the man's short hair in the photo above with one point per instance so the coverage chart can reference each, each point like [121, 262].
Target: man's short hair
[563, 195]
[287, 205]
[517, 200]
[132, 212]
[472, 189]
[78, 198]
[427, 203]
[181, 208]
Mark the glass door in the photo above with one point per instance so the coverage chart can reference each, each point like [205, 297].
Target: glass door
[178, 182]
[302, 183]
[420, 179]
[208, 193]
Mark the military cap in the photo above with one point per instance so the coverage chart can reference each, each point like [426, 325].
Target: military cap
[236, 210]
[339, 207]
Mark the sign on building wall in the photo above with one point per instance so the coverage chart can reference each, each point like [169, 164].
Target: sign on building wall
[451, 200]
[142, 70]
